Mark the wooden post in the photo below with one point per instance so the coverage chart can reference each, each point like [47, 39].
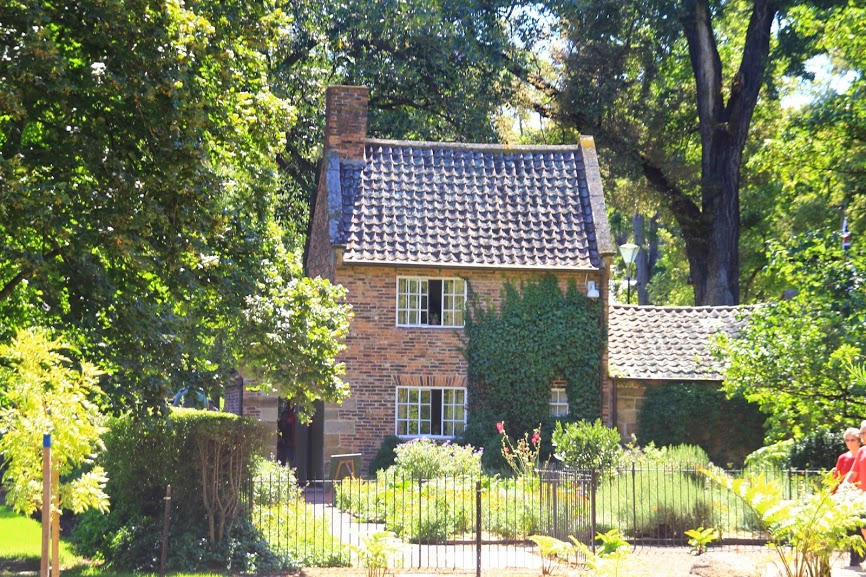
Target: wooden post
[46, 504]
[55, 520]
[165, 521]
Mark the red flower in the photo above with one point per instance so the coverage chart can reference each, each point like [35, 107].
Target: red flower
[500, 426]
[536, 438]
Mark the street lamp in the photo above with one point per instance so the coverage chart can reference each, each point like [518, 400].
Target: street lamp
[629, 255]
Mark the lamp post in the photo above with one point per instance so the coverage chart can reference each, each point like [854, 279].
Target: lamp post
[629, 255]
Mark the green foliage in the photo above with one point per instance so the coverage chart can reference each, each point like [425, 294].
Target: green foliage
[699, 539]
[137, 178]
[299, 535]
[614, 548]
[663, 502]
[793, 357]
[426, 459]
[685, 457]
[386, 455]
[377, 552]
[816, 449]
[207, 458]
[589, 446]
[43, 391]
[805, 531]
[274, 484]
[537, 335]
[551, 549]
[772, 456]
[294, 331]
[700, 414]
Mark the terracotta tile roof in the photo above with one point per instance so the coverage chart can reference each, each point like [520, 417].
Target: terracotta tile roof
[472, 205]
[670, 343]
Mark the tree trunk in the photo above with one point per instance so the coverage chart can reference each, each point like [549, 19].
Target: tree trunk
[713, 245]
[642, 265]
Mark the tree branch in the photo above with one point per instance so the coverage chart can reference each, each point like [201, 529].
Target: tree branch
[24, 273]
[746, 84]
[706, 64]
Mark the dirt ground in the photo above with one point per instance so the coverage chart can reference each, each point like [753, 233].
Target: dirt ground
[645, 562]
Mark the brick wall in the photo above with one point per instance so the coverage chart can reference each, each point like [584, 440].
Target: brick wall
[379, 354]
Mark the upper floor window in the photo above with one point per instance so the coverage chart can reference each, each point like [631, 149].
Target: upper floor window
[430, 301]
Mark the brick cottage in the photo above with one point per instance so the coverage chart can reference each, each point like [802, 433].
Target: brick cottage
[408, 227]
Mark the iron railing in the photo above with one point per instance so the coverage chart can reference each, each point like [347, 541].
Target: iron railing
[470, 523]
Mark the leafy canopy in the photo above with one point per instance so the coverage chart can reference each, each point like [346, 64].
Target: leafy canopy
[138, 182]
[794, 357]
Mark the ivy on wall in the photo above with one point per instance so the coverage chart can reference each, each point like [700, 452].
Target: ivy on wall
[537, 335]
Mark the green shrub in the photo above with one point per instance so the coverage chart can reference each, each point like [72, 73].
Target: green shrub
[300, 535]
[590, 446]
[273, 483]
[142, 458]
[661, 503]
[701, 414]
[818, 449]
[426, 459]
[386, 455]
[685, 457]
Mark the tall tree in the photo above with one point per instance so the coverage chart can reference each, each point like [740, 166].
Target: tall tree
[436, 71]
[671, 89]
[137, 175]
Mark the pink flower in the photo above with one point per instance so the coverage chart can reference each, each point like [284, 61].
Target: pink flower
[500, 426]
[506, 449]
[536, 438]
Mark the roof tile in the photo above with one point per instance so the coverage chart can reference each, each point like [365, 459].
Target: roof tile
[444, 204]
[668, 343]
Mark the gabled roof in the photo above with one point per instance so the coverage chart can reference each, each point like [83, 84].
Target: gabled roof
[668, 343]
[443, 204]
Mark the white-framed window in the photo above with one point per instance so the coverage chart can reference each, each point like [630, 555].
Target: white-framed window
[558, 402]
[430, 301]
[430, 411]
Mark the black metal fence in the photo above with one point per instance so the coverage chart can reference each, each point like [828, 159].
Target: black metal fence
[486, 522]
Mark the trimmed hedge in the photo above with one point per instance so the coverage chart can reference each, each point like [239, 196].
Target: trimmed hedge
[200, 454]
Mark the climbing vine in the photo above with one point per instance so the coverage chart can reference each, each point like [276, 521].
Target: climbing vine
[537, 335]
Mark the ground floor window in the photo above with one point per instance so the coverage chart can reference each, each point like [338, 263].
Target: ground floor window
[558, 402]
[430, 411]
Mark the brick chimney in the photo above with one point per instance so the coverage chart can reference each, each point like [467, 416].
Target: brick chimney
[346, 120]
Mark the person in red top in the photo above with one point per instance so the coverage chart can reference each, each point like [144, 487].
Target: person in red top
[845, 462]
[857, 477]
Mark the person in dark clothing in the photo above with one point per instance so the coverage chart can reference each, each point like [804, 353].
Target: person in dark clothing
[286, 437]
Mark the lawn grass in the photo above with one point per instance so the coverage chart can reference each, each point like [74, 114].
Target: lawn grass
[21, 550]
[21, 544]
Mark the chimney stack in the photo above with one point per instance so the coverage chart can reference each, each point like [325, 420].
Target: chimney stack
[346, 120]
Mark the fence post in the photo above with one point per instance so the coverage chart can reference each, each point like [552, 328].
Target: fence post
[165, 521]
[592, 509]
[633, 501]
[420, 520]
[478, 528]
[46, 505]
